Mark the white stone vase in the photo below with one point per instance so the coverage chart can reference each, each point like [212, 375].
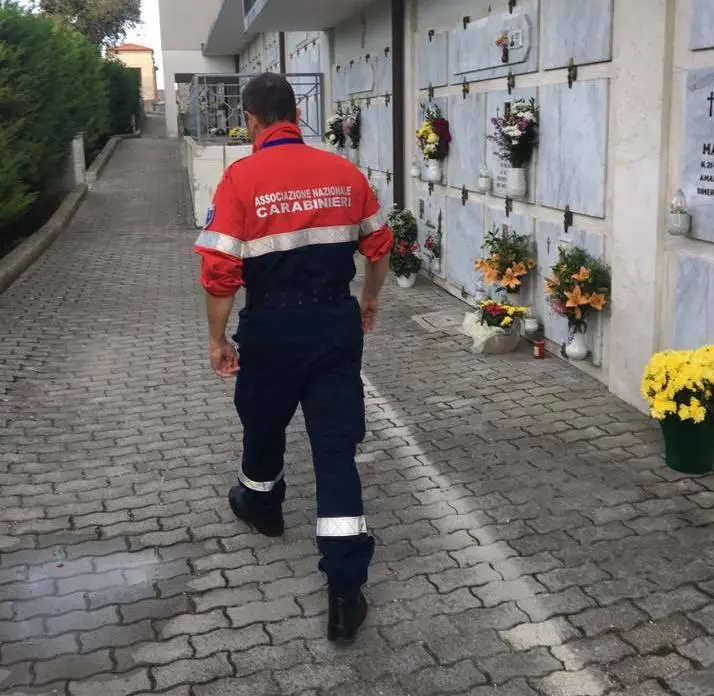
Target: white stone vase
[679, 224]
[353, 155]
[483, 185]
[406, 281]
[435, 266]
[577, 349]
[433, 171]
[516, 184]
[532, 325]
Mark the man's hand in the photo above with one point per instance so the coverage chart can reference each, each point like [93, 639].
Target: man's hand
[369, 307]
[224, 358]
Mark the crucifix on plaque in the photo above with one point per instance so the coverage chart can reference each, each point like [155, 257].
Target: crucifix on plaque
[710, 99]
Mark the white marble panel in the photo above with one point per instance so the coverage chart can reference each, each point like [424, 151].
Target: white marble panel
[474, 56]
[573, 147]
[698, 152]
[464, 237]
[432, 60]
[360, 77]
[550, 238]
[702, 28]
[385, 192]
[497, 167]
[577, 29]
[370, 142]
[467, 121]
[339, 84]
[385, 125]
[427, 214]
[383, 75]
[693, 302]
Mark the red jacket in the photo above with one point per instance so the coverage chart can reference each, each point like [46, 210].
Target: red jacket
[278, 215]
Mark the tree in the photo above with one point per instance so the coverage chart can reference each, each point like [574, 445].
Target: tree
[101, 21]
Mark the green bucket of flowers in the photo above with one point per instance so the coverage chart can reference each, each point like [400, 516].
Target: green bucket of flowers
[679, 388]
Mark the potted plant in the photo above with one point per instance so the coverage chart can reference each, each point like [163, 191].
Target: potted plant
[335, 134]
[495, 328]
[516, 136]
[238, 136]
[352, 129]
[433, 245]
[578, 286]
[510, 259]
[434, 139]
[679, 388]
[404, 261]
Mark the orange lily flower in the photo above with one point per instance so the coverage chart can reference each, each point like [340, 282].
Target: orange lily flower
[597, 301]
[520, 270]
[576, 298]
[509, 280]
[532, 263]
[582, 275]
[490, 275]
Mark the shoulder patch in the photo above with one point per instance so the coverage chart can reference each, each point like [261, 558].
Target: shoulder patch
[210, 217]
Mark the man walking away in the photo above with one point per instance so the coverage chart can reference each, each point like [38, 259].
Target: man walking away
[286, 223]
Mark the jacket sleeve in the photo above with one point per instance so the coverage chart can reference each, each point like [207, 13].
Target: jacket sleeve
[376, 239]
[219, 244]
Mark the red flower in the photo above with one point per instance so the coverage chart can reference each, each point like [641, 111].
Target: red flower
[429, 243]
[414, 249]
[441, 127]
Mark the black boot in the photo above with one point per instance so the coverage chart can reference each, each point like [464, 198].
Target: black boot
[345, 618]
[267, 519]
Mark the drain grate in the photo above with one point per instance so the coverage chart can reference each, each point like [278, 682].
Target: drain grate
[441, 322]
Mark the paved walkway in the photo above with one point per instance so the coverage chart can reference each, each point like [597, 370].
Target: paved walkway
[530, 539]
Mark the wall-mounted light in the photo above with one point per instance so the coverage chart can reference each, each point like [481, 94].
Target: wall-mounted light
[484, 181]
[416, 169]
[679, 221]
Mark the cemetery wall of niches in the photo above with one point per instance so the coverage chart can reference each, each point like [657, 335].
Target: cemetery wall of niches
[688, 292]
[262, 54]
[561, 55]
[361, 72]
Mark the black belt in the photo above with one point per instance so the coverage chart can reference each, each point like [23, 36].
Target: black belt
[279, 299]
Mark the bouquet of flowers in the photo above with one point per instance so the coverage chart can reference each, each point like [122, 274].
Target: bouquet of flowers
[516, 133]
[578, 285]
[434, 136]
[434, 240]
[510, 259]
[352, 125]
[499, 315]
[680, 385]
[335, 134]
[404, 260]
[239, 134]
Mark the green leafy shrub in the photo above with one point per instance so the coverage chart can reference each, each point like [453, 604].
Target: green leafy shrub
[54, 84]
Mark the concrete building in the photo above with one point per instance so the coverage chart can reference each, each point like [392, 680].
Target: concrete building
[140, 58]
[619, 136]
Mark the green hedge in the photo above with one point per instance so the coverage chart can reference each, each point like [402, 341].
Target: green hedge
[53, 84]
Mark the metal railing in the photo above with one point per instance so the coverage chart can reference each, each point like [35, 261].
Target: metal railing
[215, 104]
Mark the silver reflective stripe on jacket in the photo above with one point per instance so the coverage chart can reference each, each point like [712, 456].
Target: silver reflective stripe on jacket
[258, 486]
[220, 242]
[341, 526]
[373, 224]
[287, 241]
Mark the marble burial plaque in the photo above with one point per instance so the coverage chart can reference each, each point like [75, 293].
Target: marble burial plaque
[702, 27]
[693, 302]
[432, 59]
[698, 152]
[497, 167]
[385, 193]
[369, 144]
[577, 29]
[427, 215]
[339, 84]
[360, 77]
[467, 122]
[573, 147]
[383, 73]
[474, 55]
[464, 237]
[385, 137]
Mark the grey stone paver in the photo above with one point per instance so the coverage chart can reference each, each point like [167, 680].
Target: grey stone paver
[530, 539]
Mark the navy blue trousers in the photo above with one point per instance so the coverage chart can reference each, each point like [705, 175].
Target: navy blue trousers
[311, 357]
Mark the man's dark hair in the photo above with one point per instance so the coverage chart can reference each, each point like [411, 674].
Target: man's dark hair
[270, 98]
